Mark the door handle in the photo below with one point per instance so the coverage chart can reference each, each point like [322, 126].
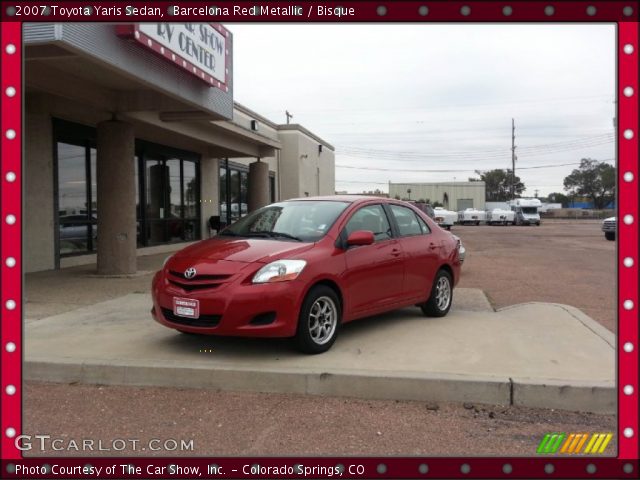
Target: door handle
[432, 246]
[395, 252]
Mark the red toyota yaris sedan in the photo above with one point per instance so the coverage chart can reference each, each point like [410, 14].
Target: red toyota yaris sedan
[301, 268]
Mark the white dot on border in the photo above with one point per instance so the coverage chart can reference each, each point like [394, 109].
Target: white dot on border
[591, 10]
[10, 432]
[10, 390]
[10, 347]
[628, 432]
[10, 304]
[465, 10]
[549, 10]
[10, 262]
[628, 304]
[628, 389]
[10, 49]
[628, 347]
[628, 49]
[423, 10]
[10, 92]
[11, 219]
[628, 91]
[10, 134]
[10, 177]
[628, 262]
[628, 176]
[628, 219]
[628, 134]
[507, 10]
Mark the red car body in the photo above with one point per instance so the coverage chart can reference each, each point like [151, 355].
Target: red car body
[368, 279]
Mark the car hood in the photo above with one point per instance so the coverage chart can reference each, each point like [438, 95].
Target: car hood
[610, 219]
[244, 250]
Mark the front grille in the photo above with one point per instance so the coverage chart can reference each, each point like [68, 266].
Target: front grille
[201, 321]
[190, 287]
[610, 224]
[181, 276]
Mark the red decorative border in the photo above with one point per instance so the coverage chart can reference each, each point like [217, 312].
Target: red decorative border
[133, 31]
[624, 466]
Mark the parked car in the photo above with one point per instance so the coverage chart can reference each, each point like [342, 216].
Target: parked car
[609, 228]
[301, 268]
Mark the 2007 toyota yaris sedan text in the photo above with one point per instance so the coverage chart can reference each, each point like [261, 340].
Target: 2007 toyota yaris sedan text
[302, 268]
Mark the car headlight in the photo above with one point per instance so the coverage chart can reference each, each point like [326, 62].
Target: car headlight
[279, 271]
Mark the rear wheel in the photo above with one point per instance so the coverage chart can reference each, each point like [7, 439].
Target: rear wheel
[319, 320]
[610, 236]
[441, 296]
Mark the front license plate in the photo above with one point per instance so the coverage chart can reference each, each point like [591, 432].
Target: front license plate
[186, 307]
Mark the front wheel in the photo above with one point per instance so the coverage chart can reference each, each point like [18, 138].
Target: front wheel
[611, 236]
[441, 296]
[319, 320]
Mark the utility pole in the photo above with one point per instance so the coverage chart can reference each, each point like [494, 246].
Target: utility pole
[513, 159]
[286, 112]
[536, 193]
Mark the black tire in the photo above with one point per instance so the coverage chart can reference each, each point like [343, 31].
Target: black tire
[448, 227]
[611, 236]
[434, 307]
[477, 223]
[304, 339]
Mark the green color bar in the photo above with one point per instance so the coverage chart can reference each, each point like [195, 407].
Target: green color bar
[547, 448]
[561, 437]
[543, 443]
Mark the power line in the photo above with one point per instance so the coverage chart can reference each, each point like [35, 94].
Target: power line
[459, 169]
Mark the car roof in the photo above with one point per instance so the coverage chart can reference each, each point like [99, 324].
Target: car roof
[341, 198]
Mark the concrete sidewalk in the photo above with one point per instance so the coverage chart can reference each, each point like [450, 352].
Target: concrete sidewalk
[537, 355]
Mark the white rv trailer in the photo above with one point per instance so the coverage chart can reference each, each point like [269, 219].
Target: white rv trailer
[526, 211]
[498, 216]
[444, 218]
[471, 215]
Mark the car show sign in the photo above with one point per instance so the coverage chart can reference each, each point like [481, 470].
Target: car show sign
[202, 49]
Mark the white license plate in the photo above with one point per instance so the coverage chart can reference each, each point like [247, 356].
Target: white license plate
[186, 307]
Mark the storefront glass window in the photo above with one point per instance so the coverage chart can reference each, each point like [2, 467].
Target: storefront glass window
[74, 213]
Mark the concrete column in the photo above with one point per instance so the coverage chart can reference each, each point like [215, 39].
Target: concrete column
[258, 194]
[116, 198]
[39, 231]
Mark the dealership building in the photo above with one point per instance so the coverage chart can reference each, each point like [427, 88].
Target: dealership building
[452, 195]
[133, 142]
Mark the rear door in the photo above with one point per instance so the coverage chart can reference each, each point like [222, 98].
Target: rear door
[375, 273]
[421, 251]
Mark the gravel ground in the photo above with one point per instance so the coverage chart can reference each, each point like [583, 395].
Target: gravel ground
[561, 261]
[223, 423]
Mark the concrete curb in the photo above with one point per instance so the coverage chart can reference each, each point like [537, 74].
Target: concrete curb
[344, 383]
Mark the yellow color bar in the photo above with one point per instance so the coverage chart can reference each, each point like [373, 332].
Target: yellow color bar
[566, 443]
[591, 442]
[605, 443]
[581, 442]
[596, 445]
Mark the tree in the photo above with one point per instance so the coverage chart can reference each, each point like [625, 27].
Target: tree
[557, 197]
[593, 179]
[498, 184]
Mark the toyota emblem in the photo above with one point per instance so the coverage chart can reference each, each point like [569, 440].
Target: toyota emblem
[190, 272]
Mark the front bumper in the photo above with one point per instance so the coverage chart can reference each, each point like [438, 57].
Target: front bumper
[236, 309]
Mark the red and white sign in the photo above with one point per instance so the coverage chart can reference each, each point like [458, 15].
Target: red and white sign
[186, 307]
[202, 49]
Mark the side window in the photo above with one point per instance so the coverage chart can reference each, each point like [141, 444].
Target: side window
[370, 218]
[423, 225]
[407, 221]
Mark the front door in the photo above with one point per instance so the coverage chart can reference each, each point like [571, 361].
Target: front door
[374, 273]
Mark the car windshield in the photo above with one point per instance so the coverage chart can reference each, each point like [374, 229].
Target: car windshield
[303, 220]
[531, 210]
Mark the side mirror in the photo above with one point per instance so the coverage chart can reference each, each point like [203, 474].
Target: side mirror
[360, 237]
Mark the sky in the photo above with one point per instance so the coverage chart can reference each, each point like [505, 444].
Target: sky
[434, 102]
